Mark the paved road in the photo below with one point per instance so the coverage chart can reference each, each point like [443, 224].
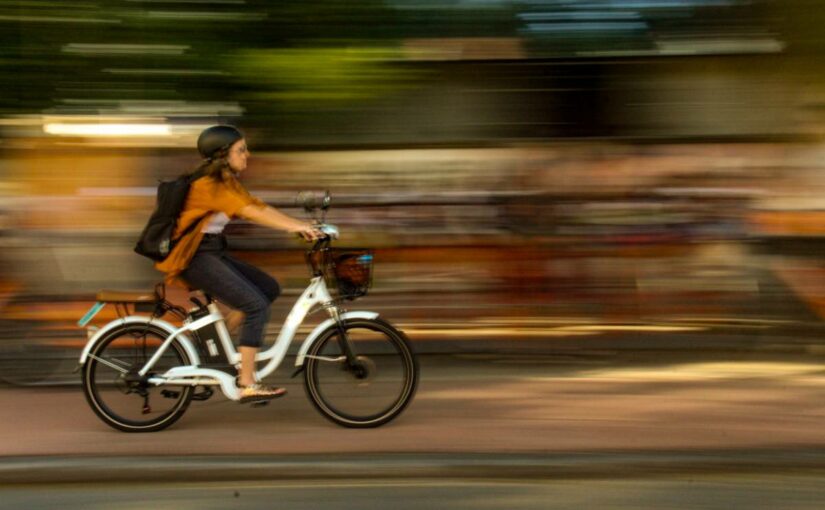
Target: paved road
[621, 431]
[480, 404]
[704, 492]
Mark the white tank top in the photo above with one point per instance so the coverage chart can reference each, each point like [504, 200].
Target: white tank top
[216, 224]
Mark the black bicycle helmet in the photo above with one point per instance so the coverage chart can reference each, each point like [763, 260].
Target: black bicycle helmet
[215, 138]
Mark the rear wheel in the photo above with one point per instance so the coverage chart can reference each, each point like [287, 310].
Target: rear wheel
[376, 389]
[115, 391]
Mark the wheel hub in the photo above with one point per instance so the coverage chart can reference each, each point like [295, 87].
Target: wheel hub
[133, 382]
[363, 372]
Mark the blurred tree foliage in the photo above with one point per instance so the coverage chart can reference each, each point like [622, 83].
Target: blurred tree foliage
[310, 78]
[294, 60]
[341, 48]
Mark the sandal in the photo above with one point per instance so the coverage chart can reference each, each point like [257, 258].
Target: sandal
[258, 392]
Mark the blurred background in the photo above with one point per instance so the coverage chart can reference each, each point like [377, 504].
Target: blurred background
[532, 174]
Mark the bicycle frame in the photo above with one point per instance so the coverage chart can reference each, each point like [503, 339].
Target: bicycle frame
[192, 375]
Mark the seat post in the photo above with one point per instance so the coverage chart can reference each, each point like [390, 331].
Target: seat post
[160, 291]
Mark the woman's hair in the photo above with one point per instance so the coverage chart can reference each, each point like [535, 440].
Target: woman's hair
[213, 144]
[216, 167]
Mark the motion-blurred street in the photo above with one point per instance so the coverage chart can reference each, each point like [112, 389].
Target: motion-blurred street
[668, 492]
[613, 429]
[481, 404]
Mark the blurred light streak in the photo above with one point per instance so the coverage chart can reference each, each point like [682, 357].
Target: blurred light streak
[730, 192]
[586, 27]
[463, 48]
[173, 72]
[420, 330]
[530, 320]
[156, 108]
[551, 16]
[415, 332]
[121, 191]
[802, 372]
[738, 321]
[655, 4]
[107, 129]
[56, 19]
[116, 128]
[631, 327]
[207, 16]
[22, 120]
[719, 46]
[125, 49]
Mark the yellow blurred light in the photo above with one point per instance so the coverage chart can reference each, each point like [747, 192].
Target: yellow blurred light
[63, 129]
[802, 373]
[633, 327]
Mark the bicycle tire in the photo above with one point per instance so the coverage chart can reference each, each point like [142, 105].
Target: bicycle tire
[325, 380]
[96, 377]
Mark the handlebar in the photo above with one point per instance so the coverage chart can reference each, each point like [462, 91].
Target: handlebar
[315, 255]
[331, 231]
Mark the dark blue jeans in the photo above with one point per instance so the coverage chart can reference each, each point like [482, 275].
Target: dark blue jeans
[234, 283]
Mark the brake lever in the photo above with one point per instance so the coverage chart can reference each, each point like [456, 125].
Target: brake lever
[330, 231]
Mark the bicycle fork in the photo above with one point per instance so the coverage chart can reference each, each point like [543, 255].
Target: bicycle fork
[352, 362]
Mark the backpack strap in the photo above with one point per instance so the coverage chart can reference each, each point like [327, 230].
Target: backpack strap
[192, 226]
[192, 178]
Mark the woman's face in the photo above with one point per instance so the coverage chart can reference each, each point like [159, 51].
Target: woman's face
[238, 153]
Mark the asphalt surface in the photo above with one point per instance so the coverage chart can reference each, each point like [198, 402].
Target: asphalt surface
[705, 492]
[534, 413]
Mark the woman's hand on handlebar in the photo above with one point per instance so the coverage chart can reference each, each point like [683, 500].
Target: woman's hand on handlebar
[309, 232]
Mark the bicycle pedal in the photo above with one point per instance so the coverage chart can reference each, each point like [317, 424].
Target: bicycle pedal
[203, 395]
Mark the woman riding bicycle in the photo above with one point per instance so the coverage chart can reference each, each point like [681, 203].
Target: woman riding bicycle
[201, 259]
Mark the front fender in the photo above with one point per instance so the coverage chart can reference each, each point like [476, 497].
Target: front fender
[141, 319]
[299, 361]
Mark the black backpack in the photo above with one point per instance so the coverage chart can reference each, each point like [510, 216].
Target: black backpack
[156, 240]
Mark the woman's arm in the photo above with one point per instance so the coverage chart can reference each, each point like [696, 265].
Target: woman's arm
[273, 218]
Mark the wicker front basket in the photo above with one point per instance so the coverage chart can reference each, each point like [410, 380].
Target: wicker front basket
[350, 272]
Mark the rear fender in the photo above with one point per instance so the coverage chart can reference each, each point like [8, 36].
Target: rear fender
[182, 339]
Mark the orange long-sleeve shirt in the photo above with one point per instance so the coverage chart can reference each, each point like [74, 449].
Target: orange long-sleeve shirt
[206, 197]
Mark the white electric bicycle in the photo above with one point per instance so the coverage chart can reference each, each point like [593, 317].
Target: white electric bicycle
[140, 372]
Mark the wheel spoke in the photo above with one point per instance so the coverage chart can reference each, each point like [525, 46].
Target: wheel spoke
[337, 359]
[110, 364]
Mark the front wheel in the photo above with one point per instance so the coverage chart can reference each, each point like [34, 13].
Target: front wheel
[373, 390]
